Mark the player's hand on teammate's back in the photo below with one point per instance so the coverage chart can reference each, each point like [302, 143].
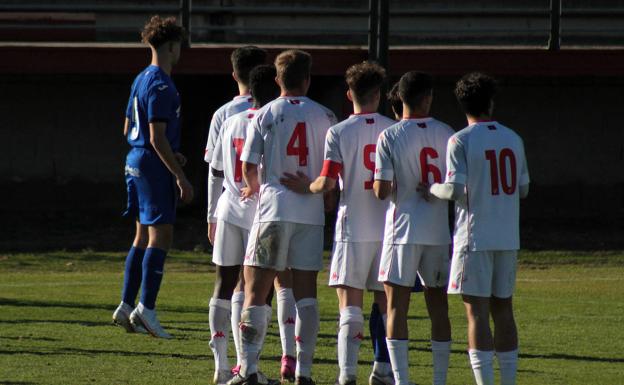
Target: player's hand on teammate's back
[181, 159]
[212, 229]
[186, 190]
[299, 183]
[423, 189]
[247, 193]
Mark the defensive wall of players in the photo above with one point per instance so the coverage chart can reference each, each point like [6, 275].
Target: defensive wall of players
[61, 125]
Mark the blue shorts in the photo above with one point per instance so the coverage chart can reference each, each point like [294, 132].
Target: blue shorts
[151, 188]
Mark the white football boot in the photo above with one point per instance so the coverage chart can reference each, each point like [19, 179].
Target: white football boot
[145, 317]
[121, 317]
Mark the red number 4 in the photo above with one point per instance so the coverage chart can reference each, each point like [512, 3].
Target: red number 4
[298, 145]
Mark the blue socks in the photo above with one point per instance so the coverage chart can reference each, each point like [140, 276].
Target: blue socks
[132, 275]
[378, 335]
[153, 265]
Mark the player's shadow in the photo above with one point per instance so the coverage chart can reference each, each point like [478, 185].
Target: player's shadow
[100, 352]
[29, 338]
[82, 305]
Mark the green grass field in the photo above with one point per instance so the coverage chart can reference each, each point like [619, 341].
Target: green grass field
[55, 323]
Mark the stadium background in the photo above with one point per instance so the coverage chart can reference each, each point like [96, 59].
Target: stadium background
[67, 67]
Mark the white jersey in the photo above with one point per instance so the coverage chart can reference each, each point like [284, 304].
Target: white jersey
[350, 152]
[488, 158]
[287, 135]
[238, 104]
[226, 158]
[408, 153]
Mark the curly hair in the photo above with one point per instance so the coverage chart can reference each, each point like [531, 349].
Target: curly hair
[414, 86]
[474, 92]
[395, 100]
[262, 84]
[244, 59]
[364, 80]
[158, 31]
[293, 68]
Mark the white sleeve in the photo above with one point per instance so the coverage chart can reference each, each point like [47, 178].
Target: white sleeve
[384, 166]
[215, 189]
[213, 134]
[254, 144]
[456, 164]
[332, 147]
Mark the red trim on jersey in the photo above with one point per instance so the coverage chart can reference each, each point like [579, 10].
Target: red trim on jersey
[364, 113]
[253, 109]
[331, 169]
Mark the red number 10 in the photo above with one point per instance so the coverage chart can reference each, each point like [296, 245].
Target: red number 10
[500, 169]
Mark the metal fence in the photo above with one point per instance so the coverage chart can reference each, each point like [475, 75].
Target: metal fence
[378, 24]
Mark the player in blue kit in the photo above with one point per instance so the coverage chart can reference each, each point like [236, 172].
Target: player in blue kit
[153, 173]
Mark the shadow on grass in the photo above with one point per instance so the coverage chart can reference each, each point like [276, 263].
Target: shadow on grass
[82, 305]
[28, 338]
[97, 352]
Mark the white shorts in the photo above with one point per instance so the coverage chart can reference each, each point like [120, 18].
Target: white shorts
[483, 273]
[230, 243]
[281, 245]
[400, 264]
[356, 264]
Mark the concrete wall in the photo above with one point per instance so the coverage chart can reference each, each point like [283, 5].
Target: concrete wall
[62, 147]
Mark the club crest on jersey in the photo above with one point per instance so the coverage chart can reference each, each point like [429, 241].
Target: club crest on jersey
[294, 101]
[370, 121]
[491, 127]
[249, 116]
[422, 125]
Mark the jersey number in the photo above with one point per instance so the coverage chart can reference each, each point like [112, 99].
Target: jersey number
[298, 145]
[369, 163]
[238, 143]
[426, 168]
[498, 170]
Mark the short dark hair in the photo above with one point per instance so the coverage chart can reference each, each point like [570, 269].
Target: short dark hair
[474, 92]
[395, 100]
[244, 59]
[293, 68]
[414, 86]
[262, 84]
[364, 80]
[158, 31]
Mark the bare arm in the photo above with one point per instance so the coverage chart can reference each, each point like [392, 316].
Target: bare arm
[250, 176]
[382, 188]
[446, 191]
[322, 184]
[159, 141]
[126, 126]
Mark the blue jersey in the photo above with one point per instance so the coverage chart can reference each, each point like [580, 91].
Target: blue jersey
[153, 98]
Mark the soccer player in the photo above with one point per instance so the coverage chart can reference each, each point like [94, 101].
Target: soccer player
[349, 159]
[234, 216]
[153, 170]
[416, 235]
[487, 175]
[286, 135]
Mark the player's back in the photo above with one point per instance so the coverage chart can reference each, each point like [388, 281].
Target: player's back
[418, 151]
[226, 157]
[238, 104]
[360, 214]
[153, 98]
[496, 167]
[293, 130]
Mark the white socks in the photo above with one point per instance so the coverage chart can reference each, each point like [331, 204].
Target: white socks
[349, 340]
[482, 368]
[253, 328]
[441, 351]
[286, 316]
[397, 350]
[306, 332]
[218, 318]
[237, 307]
[508, 364]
